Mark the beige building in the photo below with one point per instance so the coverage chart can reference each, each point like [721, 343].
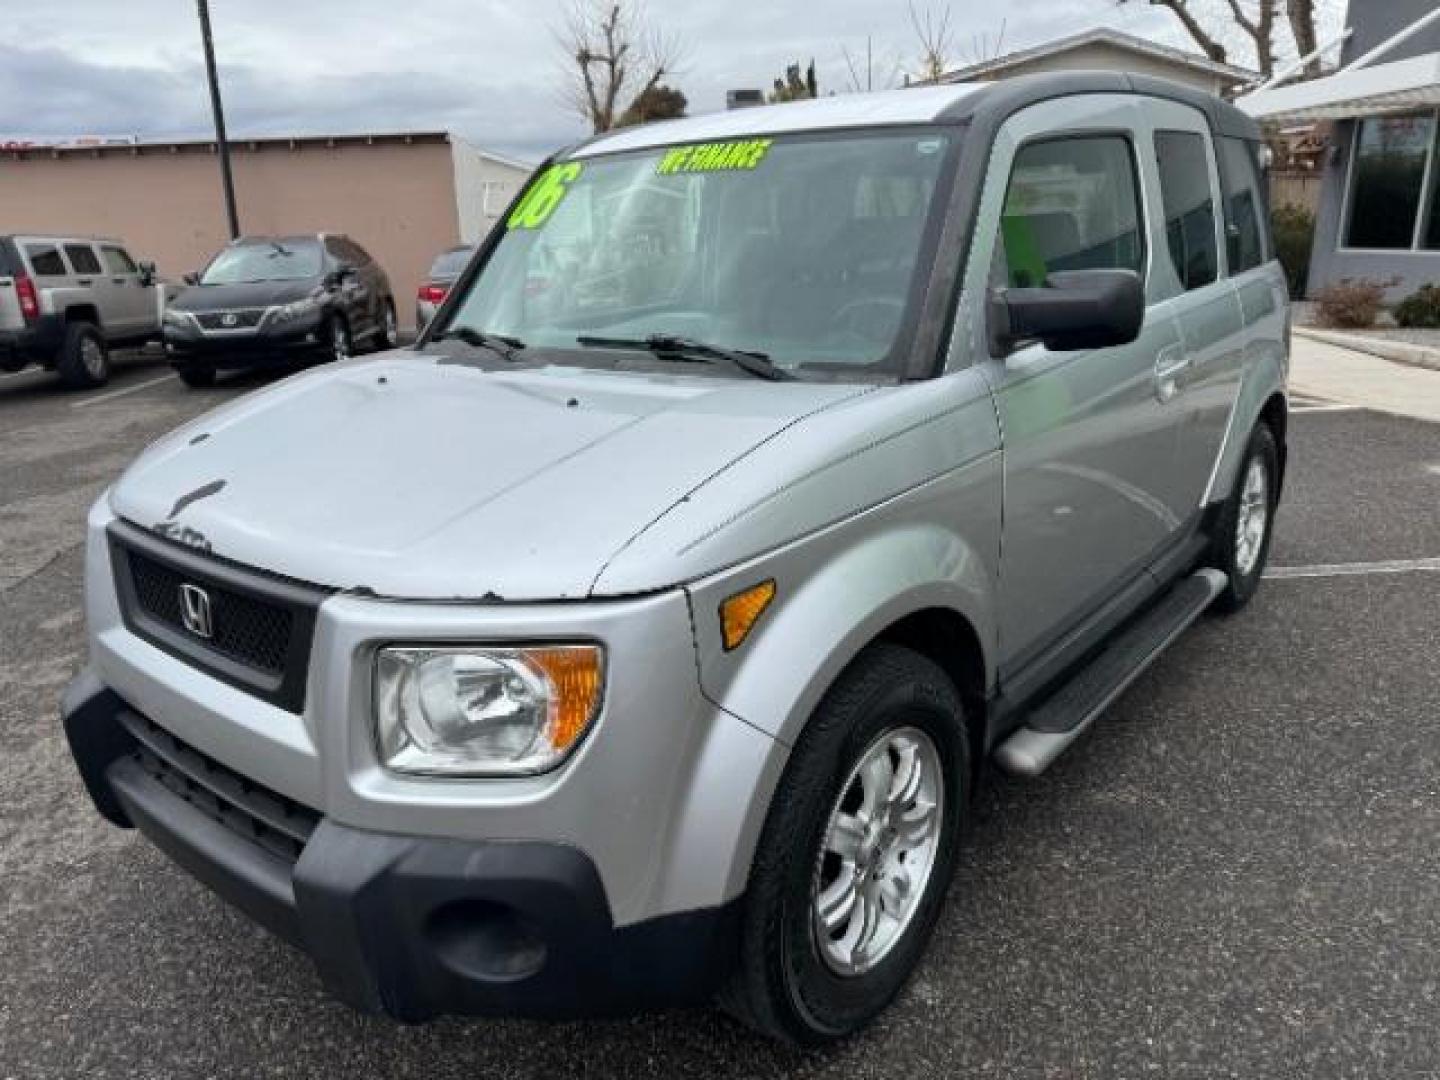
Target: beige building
[404, 197]
[1105, 49]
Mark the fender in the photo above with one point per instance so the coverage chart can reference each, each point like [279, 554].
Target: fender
[936, 546]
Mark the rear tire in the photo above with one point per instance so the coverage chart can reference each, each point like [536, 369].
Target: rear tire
[1247, 522]
[196, 376]
[806, 973]
[84, 359]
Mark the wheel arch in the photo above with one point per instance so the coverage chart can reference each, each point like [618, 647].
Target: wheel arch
[86, 313]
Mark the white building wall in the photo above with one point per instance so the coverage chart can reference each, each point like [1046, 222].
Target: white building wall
[485, 184]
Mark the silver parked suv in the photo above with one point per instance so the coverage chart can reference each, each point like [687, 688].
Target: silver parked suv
[639, 636]
[65, 301]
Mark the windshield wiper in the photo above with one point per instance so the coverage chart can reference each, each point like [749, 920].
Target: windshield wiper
[676, 347]
[502, 345]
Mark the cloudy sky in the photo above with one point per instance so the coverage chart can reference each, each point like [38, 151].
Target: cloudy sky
[487, 69]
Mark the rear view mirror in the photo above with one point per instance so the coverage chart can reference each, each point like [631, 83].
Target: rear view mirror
[1077, 309]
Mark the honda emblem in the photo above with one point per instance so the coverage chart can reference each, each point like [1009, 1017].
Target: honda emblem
[195, 611]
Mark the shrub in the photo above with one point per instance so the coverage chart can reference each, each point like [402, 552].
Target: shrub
[1420, 308]
[1294, 228]
[1351, 303]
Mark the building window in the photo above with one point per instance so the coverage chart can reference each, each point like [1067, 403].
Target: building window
[1387, 177]
[1189, 206]
[496, 194]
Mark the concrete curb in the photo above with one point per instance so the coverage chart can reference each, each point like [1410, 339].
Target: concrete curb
[1401, 352]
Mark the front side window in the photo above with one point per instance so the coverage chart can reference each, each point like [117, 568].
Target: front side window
[1386, 178]
[1072, 204]
[82, 258]
[806, 249]
[271, 261]
[1245, 213]
[1189, 206]
[118, 261]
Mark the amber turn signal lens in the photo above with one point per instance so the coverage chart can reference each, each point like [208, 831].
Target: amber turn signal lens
[740, 613]
[575, 673]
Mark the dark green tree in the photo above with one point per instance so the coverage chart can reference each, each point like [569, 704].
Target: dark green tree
[797, 85]
[658, 102]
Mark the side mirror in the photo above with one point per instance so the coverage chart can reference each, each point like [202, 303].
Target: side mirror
[191, 278]
[1077, 309]
[147, 272]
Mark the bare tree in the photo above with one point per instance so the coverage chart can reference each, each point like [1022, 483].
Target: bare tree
[1255, 19]
[615, 58]
[934, 33]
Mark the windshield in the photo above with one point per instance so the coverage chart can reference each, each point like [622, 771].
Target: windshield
[805, 249]
[278, 261]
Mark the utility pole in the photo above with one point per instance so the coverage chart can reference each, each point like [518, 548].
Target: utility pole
[226, 177]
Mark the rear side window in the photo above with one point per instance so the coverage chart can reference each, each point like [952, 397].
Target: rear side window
[45, 260]
[1189, 206]
[82, 258]
[1072, 204]
[118, 261]
[1246, 236]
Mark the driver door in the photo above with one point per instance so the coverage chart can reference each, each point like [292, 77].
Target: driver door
[1091, 494]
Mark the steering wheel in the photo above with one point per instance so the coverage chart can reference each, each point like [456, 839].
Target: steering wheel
[845, 318]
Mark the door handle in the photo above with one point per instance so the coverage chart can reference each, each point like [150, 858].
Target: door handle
[1170, 363]
[117, 281]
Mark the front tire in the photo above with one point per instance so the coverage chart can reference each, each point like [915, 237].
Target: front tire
[339, 345]
[1247, 522]
[389, 335]
[857, 852]
[84, 360]
[197, 376]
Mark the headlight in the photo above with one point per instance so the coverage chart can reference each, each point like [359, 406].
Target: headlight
[298, 309]
[484, 712]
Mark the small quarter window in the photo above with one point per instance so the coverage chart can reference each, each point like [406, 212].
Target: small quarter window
[82, 258]
[1245, 230]
[45, 260]
[1072, 204]
[1189, 206]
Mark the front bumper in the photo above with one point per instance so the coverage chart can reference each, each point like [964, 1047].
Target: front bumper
[246, 348]
[409, 926]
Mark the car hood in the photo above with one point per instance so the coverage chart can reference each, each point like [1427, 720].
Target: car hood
[252, 295]
[412, 477]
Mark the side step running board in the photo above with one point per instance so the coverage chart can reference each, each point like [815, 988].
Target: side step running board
[1063, 717]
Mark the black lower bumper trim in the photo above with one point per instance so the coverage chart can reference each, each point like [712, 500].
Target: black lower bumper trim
[416, 927]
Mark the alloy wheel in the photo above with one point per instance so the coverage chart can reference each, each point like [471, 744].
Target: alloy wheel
[1253, 518]
[878, 851]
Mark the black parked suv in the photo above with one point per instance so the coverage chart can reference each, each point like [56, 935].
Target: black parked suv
[266, 300]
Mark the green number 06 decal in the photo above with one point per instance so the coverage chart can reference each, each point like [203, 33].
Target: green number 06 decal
[545, 197]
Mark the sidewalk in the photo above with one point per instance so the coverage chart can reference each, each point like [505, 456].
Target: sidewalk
[1319, 370]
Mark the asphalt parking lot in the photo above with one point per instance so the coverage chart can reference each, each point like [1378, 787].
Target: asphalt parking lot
[1236, 873]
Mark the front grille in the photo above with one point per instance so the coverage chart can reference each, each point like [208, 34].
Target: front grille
[258, 628]
[247, 630]
[243, 319]
[263, 817]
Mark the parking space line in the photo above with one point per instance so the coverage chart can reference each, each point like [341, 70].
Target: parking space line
[113, 394]
[1360, 569]
[1326, 408]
